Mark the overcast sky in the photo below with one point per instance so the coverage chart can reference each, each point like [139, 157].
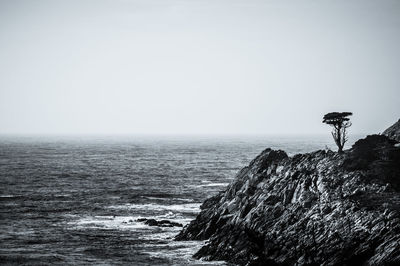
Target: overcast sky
[197, 66]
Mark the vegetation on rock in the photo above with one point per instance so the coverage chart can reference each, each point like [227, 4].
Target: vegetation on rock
[340, 122]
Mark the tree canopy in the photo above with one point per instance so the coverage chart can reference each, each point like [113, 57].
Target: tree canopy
[336, 118]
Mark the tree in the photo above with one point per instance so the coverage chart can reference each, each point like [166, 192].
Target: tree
[340, 122]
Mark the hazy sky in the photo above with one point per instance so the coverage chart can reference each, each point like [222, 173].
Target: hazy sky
[197, 66]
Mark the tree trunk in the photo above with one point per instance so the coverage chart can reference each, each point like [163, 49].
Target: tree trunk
[339, 139]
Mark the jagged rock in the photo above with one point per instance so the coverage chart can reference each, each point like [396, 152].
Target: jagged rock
[161, 223]
[393, 131]
[320, 208]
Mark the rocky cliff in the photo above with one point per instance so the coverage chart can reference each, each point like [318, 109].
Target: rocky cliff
[393, 132]
[319, 208]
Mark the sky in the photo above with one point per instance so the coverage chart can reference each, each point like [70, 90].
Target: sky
[197, 66]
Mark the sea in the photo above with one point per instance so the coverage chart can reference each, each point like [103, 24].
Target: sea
[76, 200]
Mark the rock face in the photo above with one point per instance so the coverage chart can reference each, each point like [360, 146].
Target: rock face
[319, 208]
[393, 132]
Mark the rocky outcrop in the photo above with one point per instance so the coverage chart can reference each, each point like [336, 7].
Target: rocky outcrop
[320, 208]
[393, 131]
[161, 223]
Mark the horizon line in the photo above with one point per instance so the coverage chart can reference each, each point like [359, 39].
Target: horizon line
[172, 134]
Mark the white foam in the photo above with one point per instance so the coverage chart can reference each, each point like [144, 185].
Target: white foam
[214, 185]
[153, 198]
[167, 233]
[163, 199]
[182, 199]
[182, 250]
[109, 222]
[186, 208]
[8, 196]
[125, 223]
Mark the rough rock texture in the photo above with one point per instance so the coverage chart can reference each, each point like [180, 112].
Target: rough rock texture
[393, 132]
[161, 223]
[319, 208]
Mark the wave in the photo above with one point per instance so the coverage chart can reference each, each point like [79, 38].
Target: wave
[108, 222]
[214, 185]
[166, 199]
[182, 250]
[7, 196]
[128, 223]
[183, 208]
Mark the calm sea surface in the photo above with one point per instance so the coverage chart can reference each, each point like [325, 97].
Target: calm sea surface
[75, 200]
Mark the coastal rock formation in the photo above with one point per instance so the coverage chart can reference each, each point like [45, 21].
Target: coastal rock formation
[161, 223]
[393, 132]
[319, 208]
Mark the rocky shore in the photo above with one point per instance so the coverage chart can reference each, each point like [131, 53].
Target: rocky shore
[320, 208]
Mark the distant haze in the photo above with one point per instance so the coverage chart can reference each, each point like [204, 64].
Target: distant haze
[197, 66]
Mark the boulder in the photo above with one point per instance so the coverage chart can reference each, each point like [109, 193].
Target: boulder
[160, 223]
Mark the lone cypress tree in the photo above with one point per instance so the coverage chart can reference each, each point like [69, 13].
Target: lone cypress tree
[340, 122]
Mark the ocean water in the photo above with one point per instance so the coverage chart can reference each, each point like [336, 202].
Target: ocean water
[76, 200]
